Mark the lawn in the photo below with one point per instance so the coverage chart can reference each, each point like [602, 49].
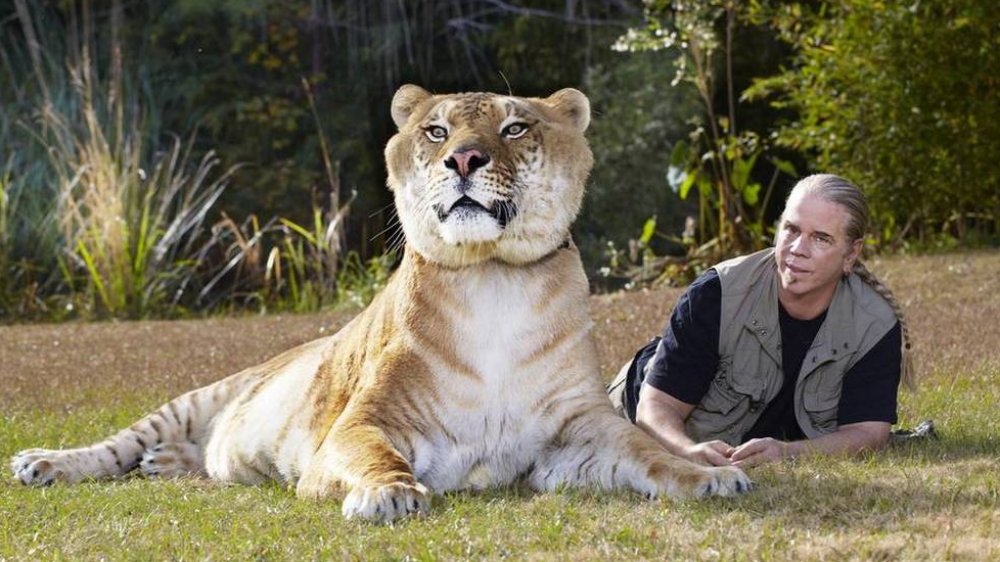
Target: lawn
[68, 384]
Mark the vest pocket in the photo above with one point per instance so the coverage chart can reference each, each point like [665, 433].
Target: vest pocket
[726, 406]
[749, 385]
[720, 399]
[729, 390]
[821, 406]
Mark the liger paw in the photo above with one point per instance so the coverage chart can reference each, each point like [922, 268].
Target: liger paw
[170, 460]
[39, 467]
[724, 481]
[386, 503]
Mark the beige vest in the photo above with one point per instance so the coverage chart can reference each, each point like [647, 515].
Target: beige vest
[749, 374]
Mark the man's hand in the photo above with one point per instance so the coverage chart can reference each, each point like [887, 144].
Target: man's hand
[758, 451]
[662, 416]
[849, 439]
[714, 453]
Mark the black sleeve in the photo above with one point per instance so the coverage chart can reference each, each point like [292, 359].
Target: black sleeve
[870, 386]
[687, 356]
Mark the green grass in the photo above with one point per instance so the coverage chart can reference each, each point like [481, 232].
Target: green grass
[931, 500]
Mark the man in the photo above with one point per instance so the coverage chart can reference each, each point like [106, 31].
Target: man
[789, 350]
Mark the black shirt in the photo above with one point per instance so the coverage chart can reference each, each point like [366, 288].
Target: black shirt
[686, 358]
[778, 418]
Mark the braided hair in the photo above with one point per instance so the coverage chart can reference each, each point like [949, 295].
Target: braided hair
[840, 191]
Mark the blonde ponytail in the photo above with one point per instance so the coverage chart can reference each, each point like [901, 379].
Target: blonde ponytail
[907, 373]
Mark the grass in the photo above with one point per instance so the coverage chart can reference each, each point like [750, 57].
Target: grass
[940, 500]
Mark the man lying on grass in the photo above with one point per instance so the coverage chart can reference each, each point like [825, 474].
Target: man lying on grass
[793, 349]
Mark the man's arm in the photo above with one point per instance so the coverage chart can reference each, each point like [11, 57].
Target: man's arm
[867, 410]
[848, 439]
[866, 413]
[662, 416]
[679, 374]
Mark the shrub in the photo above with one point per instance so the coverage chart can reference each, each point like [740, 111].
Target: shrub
[902, 98]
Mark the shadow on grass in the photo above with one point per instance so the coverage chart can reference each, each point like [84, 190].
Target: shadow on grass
[838, 502]
[943, 448]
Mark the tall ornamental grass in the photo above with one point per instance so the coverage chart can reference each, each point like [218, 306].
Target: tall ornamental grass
[135, 229]
[99, 218]
[130, 235]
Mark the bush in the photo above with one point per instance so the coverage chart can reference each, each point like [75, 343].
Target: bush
[902, 98]
[99, 217]
[637, 119]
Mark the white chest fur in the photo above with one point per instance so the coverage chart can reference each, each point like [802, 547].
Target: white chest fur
[515, 333]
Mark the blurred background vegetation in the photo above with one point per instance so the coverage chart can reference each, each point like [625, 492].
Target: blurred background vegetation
[194, 156]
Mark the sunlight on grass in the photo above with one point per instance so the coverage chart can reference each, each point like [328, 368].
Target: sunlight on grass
[945, 491]
[929, 500]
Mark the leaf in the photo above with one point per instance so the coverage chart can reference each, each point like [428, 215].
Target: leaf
[648, 230]
[785, 166]
[686, 185]
[741, 171]
[300, 230]
[751, 193]
[679, 155]
[95, 276]
[705, 188]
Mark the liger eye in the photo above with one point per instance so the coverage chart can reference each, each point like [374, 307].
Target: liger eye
[515, 130]
[436, 133]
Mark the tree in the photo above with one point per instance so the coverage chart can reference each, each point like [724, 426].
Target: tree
[902, 98]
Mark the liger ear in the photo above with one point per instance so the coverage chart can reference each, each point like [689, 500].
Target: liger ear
[573, 105]
[406, 99]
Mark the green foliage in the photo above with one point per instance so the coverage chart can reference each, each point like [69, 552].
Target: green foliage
[637, 118]
[5, 243]
[359, 281]
[720, 159]
[899, 98]
[126, 236]
[235, 71]
[311, 259]
[543, 45]
[902, 98]
[29, 231]
[100, 218]
[285, 265]
[130, 235]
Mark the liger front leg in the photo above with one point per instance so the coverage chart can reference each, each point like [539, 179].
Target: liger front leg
[596, 447]
[379, 481]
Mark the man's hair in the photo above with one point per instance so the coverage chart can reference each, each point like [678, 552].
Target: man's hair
[851, 199]
[836, 189]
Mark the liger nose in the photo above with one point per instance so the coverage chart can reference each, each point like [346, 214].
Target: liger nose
[467, 160]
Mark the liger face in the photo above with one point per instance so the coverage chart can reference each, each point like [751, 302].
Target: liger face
[812, 249]
[483, 176]
[474, 155]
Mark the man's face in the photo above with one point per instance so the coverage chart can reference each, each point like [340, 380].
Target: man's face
[812, 249]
